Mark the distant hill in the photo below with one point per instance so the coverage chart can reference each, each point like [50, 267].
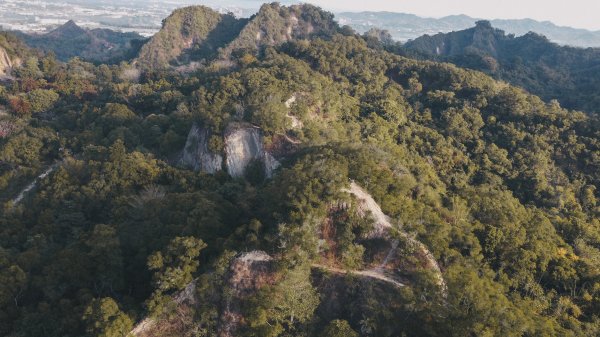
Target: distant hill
[570, 75]
[404, 27]
[197, 33]
[94, 45]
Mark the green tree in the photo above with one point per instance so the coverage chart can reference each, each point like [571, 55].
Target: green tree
[282, 307]
[339, 328]
[174, 266]
[105, 319]
[41, 100]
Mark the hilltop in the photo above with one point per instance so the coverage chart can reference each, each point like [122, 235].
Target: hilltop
[197, 33]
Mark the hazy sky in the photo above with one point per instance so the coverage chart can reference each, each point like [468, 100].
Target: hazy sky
[574, 13]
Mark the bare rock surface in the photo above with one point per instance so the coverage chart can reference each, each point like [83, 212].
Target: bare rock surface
[196, 154]
[6, 63]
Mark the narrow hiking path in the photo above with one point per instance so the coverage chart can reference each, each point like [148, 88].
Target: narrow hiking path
[389, 255]
[370, 273]
[31, 185]
[382, 227]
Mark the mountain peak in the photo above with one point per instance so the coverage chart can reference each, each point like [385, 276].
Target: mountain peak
[483, 24]
[69, 29]
[70, 24]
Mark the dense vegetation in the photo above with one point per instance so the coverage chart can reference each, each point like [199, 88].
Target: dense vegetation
[570, 75]
[501, 186]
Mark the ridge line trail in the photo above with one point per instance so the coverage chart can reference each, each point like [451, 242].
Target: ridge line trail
[382, 228]
[367, 273]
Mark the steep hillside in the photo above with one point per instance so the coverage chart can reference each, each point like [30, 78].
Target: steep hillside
[6, 62]
[570, 75]
[95, 45]
[12, 53]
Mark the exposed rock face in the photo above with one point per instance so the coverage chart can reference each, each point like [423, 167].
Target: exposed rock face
[198, 34]
[196, 154]
[271, 164]
[5, 62]
[247, 273]
[243, 144]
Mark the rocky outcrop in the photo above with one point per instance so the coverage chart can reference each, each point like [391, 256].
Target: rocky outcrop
[6, 63]
[188, 34]
[198, 35]
[275, 24]
[244, 145]
[196, 154]
[246, 274]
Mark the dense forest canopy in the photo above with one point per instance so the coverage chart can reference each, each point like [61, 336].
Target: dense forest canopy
[408, 197]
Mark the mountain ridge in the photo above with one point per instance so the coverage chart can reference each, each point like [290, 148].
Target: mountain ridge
[404, 27]
[198, 33]
[95, 45]
[531, 61]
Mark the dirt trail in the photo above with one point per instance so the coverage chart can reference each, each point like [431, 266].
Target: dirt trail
[371, 273]
[29, 187]
[389, 255]
[368, 204]
[382, 227]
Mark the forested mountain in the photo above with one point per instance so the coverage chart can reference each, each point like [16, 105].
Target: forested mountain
[316, 186]
[92, 45]
[570, 75]
[199, 34]
[404, 27]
